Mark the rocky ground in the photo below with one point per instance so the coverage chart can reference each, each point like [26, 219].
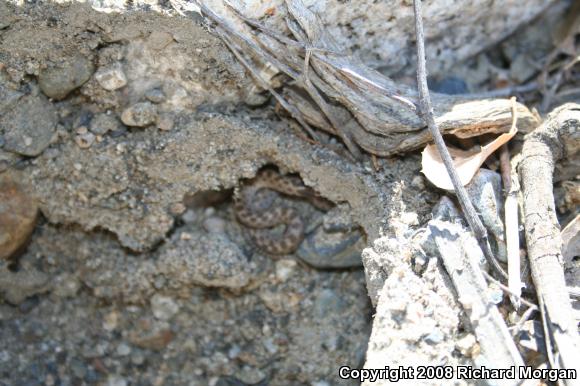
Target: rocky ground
[129, 131]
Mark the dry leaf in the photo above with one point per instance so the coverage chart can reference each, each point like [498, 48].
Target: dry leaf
[466, 163]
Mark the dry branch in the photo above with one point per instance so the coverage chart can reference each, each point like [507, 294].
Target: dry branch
[338, 94]
[555, 139]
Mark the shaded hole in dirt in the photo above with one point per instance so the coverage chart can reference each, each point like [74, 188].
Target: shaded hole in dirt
[207, 198]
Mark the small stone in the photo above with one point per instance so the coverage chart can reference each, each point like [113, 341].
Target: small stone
[139, 115]
[177, 209]
[163, 307]
[155, 95]
[435, 337]
[123, 350]
[137, 358]
[103, 123]
[250, 376]
[29, 126]
[18, 214]
[185, 236]
[234, 351]
[56, 82]
[111, 321]
[410, 218]
[85, 141]
[111, 78]
[189, 217]
[466, 345]
[156, 340]
[495, 294]
[418, 182]
[270, 345]
[82, 130]
[165, 122]
[114, 380]
[214, 225]
[159, 282]
[285, 268]
[210, 260]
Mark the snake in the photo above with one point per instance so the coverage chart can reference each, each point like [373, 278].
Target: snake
[254, 207]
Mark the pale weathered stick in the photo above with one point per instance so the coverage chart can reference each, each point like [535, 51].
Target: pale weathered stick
[461, 256]
[558, 137]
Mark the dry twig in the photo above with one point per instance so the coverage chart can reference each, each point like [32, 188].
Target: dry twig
[555, 139]
[427, 113]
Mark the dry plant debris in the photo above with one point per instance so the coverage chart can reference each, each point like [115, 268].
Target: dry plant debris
[334, 92]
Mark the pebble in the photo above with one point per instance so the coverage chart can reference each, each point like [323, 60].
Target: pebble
[436, 336]
[165, 122]
[189, 217]
[137, 358]
[466, 345]
[111, 321]
[29, 126]
[155, 95]
[18, 214]
[111, 78]
[323, 249]
[285, 268]
[156, 340]
[84, 141]
[103, 123]
[210, 260]
[123, 350]
[250, 375]
[58, 81]
[214, 224]
[163, 307]
[139, 115]
[114, 380]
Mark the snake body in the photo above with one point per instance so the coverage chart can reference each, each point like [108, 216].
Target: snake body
[253, 206]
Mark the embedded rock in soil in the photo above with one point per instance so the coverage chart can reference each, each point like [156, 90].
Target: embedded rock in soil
[103, 123]
[139, 115]
[111, 78]
[57, 81]
[18, 212]
[29, 125]
[208, 260]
